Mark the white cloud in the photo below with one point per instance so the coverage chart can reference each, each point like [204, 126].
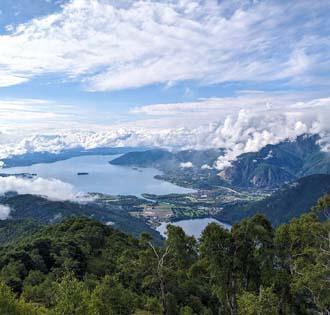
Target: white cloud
[220, 107]
[241, 124]
[52, 189]
[206, 167]
[7, 79]
[22, 119]
[186, 165]
[35, 114]
[111, 45]
[4, 212]
[248, 122]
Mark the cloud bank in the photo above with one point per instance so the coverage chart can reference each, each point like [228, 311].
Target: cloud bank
[51, 189]
[241, 124]
[4, 212]
[113, 45]
[186, 165]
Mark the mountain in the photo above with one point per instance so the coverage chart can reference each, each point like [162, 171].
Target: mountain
[188, 168]
[14, 230]
[75, 243]
[150, 158]
[163, 159]
[269, 168]
[317, 163]
[275, 165]
[28, 159]
[286, 203]
[103, 209]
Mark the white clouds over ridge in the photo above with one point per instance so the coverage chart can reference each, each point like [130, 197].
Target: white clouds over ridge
[52, 189]
[110, 46]
[4, 212]
[236, 128]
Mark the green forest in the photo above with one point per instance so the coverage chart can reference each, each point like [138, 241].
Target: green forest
[82, 267]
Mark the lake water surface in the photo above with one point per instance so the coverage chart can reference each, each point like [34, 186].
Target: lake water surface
[193, 227]
[102, 177]
[113, 180]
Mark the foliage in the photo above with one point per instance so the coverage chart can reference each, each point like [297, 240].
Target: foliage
[266, 303]
[82, 267]
[32, 211]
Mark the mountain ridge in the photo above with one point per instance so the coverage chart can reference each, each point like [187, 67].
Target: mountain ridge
[286, 203]
[269, 168]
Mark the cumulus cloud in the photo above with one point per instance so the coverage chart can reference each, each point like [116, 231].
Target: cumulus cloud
[4, 212]
[186, 165]
[249, 133]
[238, 125]
[249, 122]
[52, 189]
[111, 45]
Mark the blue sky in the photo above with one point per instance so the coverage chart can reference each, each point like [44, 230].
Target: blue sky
[103, 64]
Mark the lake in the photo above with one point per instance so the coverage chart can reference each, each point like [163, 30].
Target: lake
[193, 227]
[102, 177]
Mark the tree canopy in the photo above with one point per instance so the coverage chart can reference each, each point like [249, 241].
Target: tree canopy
[82, 267]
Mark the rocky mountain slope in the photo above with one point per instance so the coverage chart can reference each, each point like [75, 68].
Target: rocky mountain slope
[276, 164]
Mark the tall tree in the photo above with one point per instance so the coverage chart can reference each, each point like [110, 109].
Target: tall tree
[217, 252]
[254, 252]
[160, 269]
[323, 206]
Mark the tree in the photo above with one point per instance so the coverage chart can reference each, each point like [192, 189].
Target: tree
[160, 261]
[40, 293]
[111, 298]
[323, 206]
[9, 305]
[217, 251]
[313, 279]
[186, 310]
[301, 248]
[254, 252]
[265, 303]
[71, 297]
[12, 274]
[183, 248]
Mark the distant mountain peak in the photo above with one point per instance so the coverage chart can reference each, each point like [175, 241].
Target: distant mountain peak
[276, 164]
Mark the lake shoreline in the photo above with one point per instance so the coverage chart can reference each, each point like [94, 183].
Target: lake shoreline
[102, 177]
[193, 227]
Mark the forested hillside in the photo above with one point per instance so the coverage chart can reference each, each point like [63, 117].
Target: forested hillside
[82, 267]
[286, 203]
[106, 209]
[165, 160]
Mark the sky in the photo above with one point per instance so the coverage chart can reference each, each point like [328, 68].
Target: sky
[237, 74]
